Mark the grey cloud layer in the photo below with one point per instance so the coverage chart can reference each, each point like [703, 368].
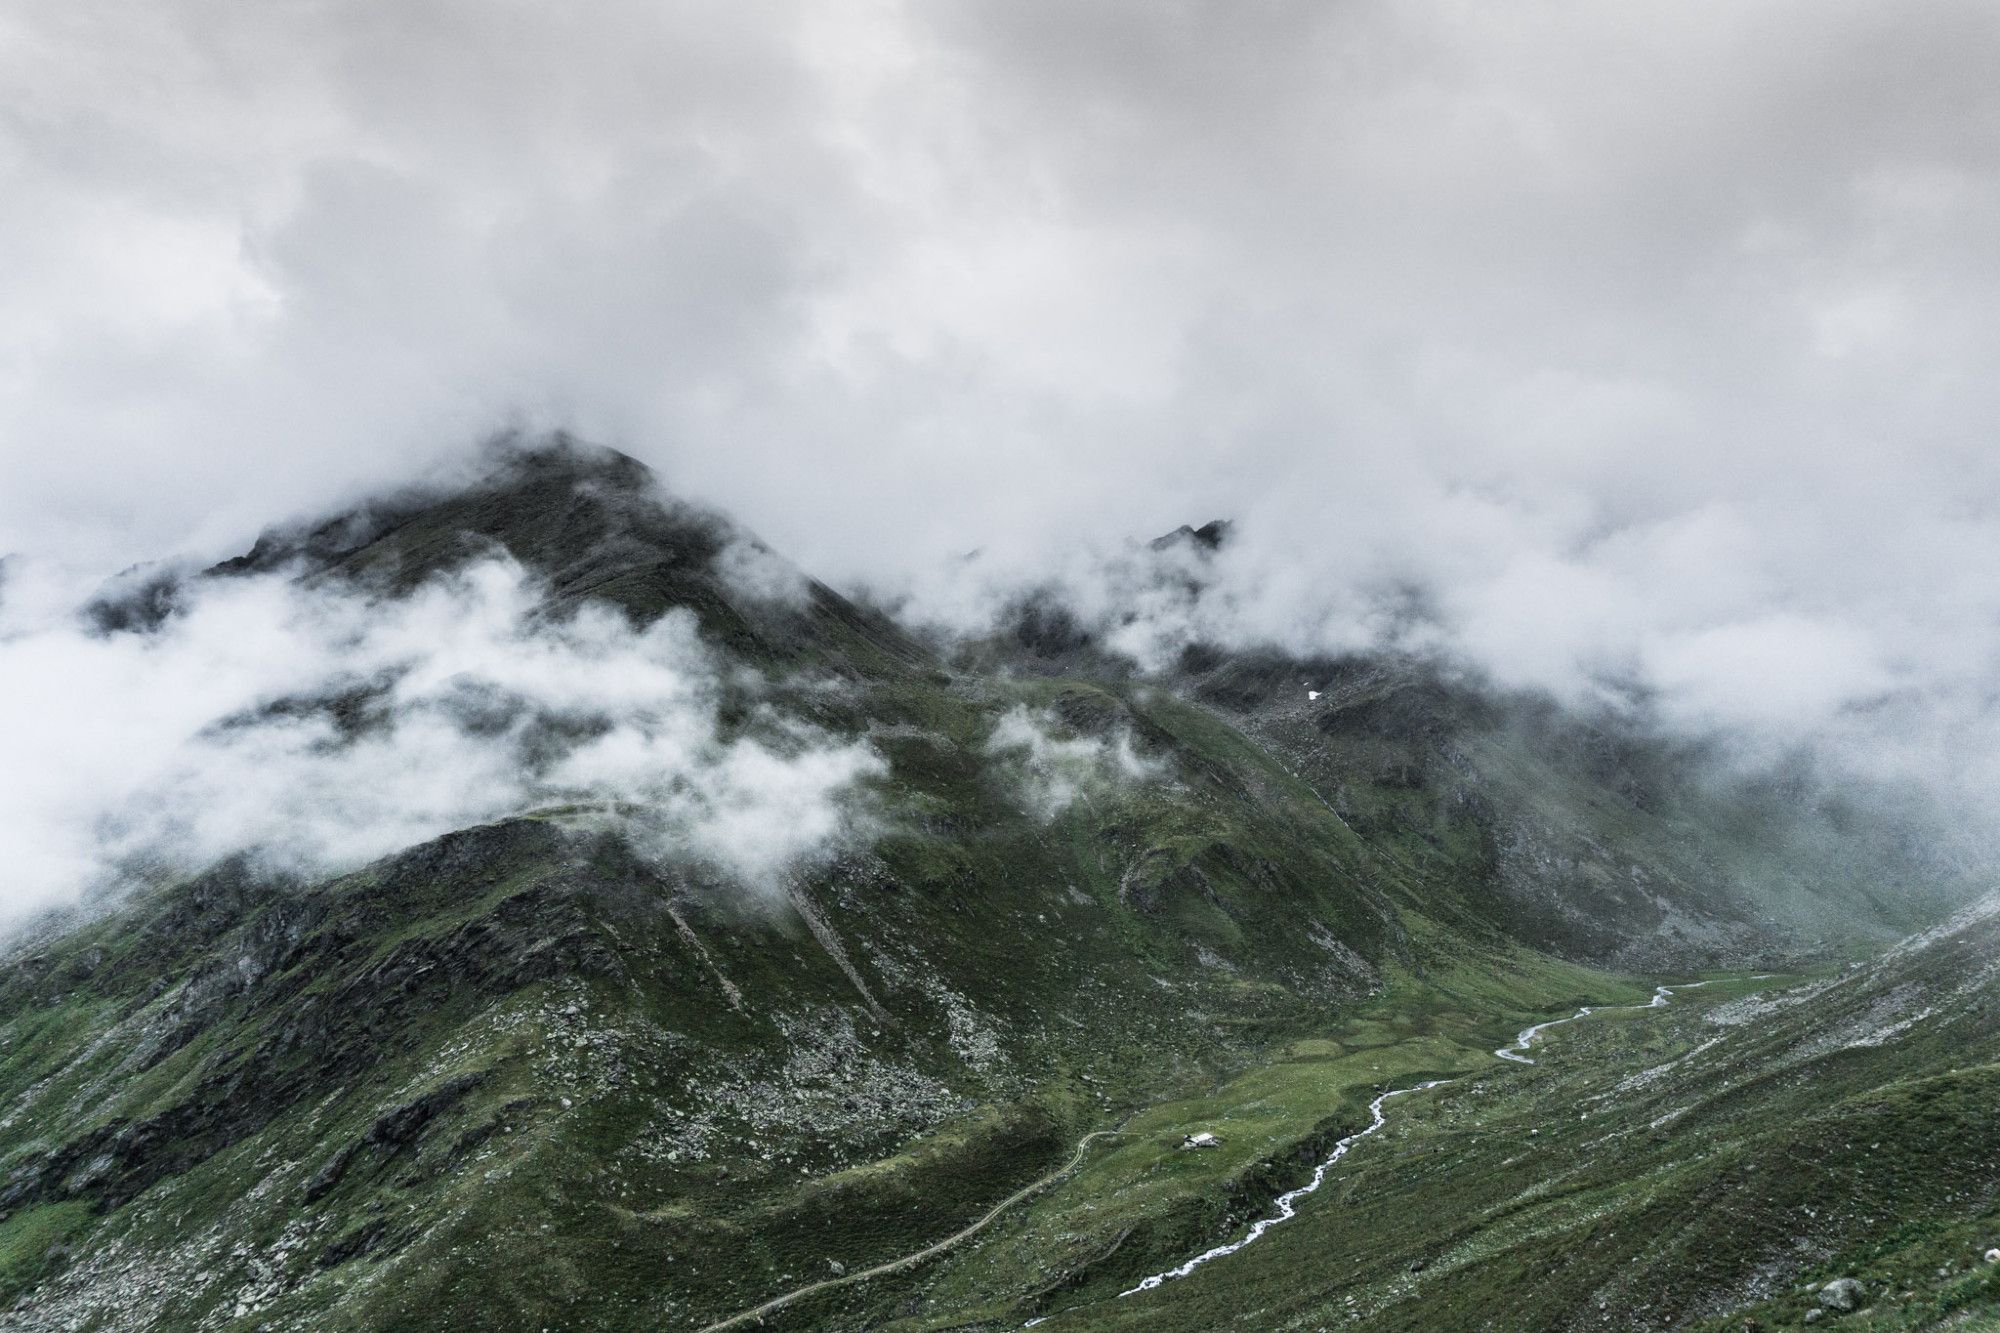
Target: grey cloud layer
[1647, 342]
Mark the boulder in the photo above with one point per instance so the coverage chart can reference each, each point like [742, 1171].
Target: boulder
[1841, 1294]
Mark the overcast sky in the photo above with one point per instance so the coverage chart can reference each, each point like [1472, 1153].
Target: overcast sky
[1650, 339]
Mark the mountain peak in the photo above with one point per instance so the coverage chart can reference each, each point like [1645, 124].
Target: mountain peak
[513, 481]
[1210, 536]
[516, 459]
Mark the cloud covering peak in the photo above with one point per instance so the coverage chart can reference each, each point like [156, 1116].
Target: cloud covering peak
[318, 728]
[1644, 343]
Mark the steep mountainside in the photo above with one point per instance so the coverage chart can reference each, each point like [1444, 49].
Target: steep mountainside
[542, 1073]
[1589, 836]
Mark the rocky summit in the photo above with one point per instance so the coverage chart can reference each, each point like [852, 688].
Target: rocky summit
[822, 971]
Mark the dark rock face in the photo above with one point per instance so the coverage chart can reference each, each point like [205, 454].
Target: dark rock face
[1049, 630]
[139, 600]
[394, 1129]
[262, 986]
[1210, 536]
[401, 1125]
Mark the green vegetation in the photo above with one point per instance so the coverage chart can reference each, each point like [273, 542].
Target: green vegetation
[35, 1239]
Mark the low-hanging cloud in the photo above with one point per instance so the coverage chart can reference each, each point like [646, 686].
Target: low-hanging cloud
[1869, 690]
[317, 728]
[1053, 768]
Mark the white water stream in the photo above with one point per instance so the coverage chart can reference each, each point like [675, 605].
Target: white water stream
[1286, 1211]
[1286, 1201]
[1518, 1051]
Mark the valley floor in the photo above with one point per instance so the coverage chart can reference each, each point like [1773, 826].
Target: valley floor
[1647, 1171]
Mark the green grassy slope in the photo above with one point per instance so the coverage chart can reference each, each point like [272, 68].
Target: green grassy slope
[356, 1070]
[1712, 1165]
[1592, 837]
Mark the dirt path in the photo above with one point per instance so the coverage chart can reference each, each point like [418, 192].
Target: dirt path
[931, 1251]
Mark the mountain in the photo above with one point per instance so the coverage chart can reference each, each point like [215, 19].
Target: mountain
[559, 1069]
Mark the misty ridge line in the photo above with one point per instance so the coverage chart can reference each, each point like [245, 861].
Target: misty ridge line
[1167, 609]
[311, 717]
[1766, 497]
[375, 715]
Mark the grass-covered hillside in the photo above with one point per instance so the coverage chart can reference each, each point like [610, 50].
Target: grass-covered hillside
[554, 1071]
[1713, 1164]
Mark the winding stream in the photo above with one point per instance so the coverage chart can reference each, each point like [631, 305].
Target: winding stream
[1286, 1201]
[1518, 1051]
[1285, 1204]
[1286, 1212]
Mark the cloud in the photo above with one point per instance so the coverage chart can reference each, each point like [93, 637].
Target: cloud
[317, 729]
[1054, 770]
[1649, 341]
[753, 570]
